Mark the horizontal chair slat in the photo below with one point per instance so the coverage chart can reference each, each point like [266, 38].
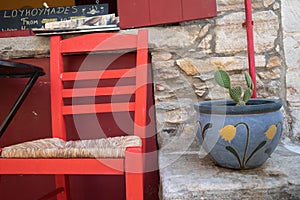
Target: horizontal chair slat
[83, 92]
[61, 166]
[92, 75]
[95, 42]
[98, 108]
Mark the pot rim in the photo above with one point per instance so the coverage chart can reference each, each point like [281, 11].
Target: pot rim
[253, 106]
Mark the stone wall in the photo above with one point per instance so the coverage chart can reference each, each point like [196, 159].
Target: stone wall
[291, 41]
[185, 56]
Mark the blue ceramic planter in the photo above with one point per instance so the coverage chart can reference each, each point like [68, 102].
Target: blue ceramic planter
[239, 137]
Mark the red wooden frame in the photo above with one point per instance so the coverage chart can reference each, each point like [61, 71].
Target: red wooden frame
[139, 13]
[132, 165]
[16, 33]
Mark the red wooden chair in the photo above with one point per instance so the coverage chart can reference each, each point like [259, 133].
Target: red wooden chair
[119, 155]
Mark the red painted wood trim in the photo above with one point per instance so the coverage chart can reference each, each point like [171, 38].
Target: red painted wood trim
[83, 92]
[16, 33]
[62, 181]
[134, 178]
[195, 9]
[90, 75]
[98, 108]
[98, 42]
[56, 86]
[61, 166]
[139, 13]
[134, 13]
[59, 191]
[141, 84]
[165, 11]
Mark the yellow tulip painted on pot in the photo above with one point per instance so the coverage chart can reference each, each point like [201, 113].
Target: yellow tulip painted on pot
[228, 132]
[271, 132]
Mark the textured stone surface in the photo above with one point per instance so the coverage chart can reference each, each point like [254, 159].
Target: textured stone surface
[293, 98]
[161, 56]
[235, 63]
[267, 3]
[270, 74]
[188, 67]
[194, 176]
[173, 38]
[195, 66]
[290, 16]
[292, 50]
[276, 6]
[266, 27]
[291, 40]
[163, 64]
[205, 44]
[231, 36]
[274, 62]
[293, 87]
[19, 47]
[228, 5]
[295, 130]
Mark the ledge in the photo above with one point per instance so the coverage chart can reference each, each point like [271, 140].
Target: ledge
[192, 176]
[24, 47]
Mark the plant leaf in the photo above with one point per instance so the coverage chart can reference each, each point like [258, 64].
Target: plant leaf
[247, 95]
[249, 80]
[236, 93]
[222, 78]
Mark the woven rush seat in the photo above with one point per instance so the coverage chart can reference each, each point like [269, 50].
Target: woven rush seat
[113, 147]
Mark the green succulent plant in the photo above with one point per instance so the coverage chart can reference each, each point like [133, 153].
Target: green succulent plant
[235, 92]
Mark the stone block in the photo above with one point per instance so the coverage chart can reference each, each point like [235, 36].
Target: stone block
[231, 5]
[161, 56]
[292, 50]
[274, 62]
[163, 64]
[290, 16]
[236, 63]
[193, 66]
[293, 86]
[295, 113]
[173, 38]
[167, 73]
[205, 44]
[271, 74]
[193, 175]
[231, 36]
[267, 3]
[22, 47]
[188, 67]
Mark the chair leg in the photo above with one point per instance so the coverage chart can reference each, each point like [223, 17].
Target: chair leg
[134, 177]
[62, 181]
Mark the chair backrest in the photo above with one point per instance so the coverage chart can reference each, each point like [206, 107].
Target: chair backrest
[71, 84]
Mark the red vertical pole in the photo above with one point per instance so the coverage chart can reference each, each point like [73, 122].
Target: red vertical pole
[250, 42]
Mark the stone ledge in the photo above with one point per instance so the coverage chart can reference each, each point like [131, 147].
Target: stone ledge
[191, 177]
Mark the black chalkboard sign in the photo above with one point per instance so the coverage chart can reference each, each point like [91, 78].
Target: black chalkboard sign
[22, 19]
